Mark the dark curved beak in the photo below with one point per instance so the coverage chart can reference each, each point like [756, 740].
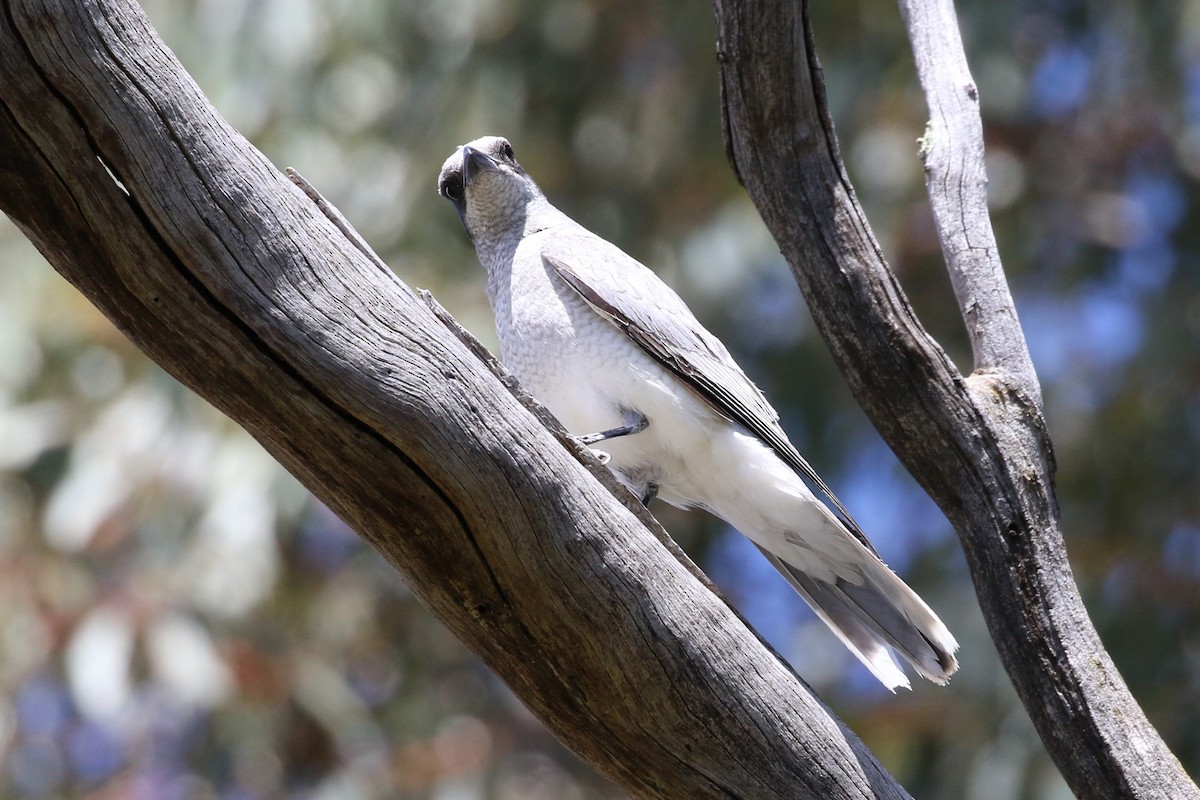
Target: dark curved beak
[475, 163]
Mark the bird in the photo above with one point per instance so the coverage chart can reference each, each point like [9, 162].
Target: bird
[617, 356]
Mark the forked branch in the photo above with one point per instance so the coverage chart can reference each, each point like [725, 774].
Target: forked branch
[979, 446]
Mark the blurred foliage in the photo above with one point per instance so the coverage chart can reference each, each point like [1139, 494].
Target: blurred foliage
[179, 620]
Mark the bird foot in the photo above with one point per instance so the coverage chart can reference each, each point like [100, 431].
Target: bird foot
[634, 423]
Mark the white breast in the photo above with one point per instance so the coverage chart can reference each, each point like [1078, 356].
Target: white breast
[588, 372]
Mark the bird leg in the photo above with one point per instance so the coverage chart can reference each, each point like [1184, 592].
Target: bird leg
[651, 493]
[635, 422]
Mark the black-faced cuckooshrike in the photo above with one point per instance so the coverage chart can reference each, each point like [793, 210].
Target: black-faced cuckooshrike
[617, 356]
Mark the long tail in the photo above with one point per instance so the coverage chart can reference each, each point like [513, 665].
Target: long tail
[878, 619]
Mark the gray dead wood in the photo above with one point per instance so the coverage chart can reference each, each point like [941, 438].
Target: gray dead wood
[977, 444]
[230, 277]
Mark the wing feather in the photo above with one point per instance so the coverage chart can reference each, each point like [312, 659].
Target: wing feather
[635, 300]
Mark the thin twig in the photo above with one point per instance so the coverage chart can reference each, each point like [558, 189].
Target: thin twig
[585, 455]
[952, 151]
[333, 215]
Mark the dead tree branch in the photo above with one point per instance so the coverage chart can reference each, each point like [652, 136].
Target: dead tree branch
[977, 444]
[230, 277]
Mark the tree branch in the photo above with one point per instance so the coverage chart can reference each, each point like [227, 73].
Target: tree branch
[978, 445]
[955, 174]
[235, 282]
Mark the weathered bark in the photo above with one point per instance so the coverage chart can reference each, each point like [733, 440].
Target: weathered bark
[978, 444]
[233, 280]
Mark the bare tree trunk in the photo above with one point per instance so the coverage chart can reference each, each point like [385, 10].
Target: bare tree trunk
[977, 444]
[114, 164]
[219, 268]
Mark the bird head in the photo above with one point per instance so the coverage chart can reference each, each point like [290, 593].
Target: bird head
[487, 186]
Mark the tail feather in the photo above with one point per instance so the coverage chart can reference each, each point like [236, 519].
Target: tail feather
[877, 620]
[910, 627]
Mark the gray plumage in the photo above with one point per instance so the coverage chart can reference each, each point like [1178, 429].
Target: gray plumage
[604, 344]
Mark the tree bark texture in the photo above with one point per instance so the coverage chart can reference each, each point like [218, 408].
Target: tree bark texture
[226, 274]
[977, 444]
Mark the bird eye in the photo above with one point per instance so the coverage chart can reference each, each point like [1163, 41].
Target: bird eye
[507, 151]
[453, 189]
